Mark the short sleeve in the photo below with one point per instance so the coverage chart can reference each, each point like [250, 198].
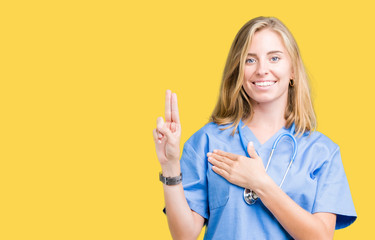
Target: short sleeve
[333, 193]
[194, 180]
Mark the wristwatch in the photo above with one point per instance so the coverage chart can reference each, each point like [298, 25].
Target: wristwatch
[170, 180]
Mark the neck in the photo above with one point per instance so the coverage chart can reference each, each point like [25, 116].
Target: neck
[268, 115]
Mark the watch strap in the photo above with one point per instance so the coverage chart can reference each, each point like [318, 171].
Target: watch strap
[170, 180]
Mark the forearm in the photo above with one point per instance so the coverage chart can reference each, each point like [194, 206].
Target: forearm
[299, 223]
[183, 222]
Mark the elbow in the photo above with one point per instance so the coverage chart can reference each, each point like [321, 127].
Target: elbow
[326, 232]
[324, 226]
[317, 231]
[318, 236]
[321, 233]
[186, 227]
[325, 236]
[184, 235]
[185, 230]
[184, 238]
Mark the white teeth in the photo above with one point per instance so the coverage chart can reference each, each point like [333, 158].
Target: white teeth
[265, 84]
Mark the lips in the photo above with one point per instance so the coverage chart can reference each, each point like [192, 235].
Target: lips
[264, 83]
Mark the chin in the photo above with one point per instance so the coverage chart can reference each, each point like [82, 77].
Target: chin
[263, 99]
[268, 99]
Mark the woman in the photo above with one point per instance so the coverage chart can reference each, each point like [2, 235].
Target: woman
[264, 94]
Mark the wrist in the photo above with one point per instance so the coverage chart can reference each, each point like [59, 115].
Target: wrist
[266, 184]
[171, 169]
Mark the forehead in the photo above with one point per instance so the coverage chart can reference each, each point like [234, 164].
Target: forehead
[266, 40]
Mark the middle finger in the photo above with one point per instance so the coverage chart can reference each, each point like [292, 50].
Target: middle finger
[168, 108]
[228, 155]
[220, 158]
[219, 164]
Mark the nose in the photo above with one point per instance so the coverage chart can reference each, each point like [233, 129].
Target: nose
[262, 68]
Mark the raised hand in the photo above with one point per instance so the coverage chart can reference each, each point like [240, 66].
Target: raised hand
[167, 134]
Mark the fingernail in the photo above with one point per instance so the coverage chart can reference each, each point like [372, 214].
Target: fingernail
[215, 151]
[209, 154]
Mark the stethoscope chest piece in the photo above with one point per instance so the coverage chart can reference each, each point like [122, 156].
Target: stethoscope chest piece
[250, 196]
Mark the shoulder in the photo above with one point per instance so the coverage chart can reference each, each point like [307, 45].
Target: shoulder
[211, 130]
[209, 133]
[317, 137]
[318, 145]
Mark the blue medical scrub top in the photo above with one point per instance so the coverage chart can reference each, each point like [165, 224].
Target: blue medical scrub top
[316, 181]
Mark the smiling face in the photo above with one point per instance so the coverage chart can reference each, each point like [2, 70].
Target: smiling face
[268, 69]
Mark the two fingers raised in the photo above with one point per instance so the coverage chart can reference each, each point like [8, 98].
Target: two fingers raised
[171, 107]
[172, 118]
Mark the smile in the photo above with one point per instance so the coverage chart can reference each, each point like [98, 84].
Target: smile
[264, 83]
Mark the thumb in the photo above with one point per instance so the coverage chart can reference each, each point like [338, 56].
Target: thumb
[251, 150]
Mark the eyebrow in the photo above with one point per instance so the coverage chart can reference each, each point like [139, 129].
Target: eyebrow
[271, 52]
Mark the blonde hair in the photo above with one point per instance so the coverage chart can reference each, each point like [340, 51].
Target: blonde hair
[234, 104]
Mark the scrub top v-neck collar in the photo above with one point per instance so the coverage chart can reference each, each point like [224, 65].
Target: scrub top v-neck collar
[248, 136]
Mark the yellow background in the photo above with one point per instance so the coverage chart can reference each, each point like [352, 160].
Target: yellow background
[82, 83]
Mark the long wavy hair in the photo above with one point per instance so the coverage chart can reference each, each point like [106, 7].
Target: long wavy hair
[234, 104]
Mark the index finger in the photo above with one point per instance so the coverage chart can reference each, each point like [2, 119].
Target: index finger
[168, 106]
[226, 154]
[175, 114]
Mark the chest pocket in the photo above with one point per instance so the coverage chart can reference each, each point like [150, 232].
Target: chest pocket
[218, 189]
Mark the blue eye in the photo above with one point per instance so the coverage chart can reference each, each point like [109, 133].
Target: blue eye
[275, 59]
[250, 60]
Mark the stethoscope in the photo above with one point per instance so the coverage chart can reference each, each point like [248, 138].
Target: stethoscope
[249, 195]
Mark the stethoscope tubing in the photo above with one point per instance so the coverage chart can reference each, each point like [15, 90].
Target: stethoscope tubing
[250, 196]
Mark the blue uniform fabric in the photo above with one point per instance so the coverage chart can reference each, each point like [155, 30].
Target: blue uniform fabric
[316, 181]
